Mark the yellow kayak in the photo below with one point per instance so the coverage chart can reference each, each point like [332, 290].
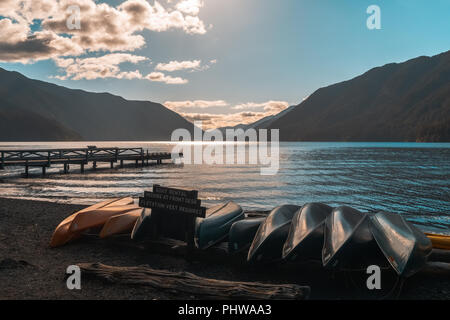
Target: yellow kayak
[439, 241]
[63, 234]
[121, 223]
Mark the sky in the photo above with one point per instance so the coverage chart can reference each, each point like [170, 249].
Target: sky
[221, 61]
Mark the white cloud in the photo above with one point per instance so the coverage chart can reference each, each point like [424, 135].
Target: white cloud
[13, 32]
[213, 120]
[106, 66]
[268, 106]
[103, 27]
[191, 7]
[161, 77]
[202, 104]
[194, 65]
[247, 113]
[178, 65]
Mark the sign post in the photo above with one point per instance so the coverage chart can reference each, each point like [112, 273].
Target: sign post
[174, 212]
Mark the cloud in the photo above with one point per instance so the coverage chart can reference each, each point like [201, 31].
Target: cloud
[268, 106]
[178, 65]
[161, 77]
[38, 46]
[106, 66]
[12, 33]
[191, 7]
[246, 114]
[202, 104]
[194, 65]
[104, 27]
[210, 121]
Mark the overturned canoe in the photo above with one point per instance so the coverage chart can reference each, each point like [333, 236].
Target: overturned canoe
[348, 241]
[98, 217]
[242, 233]
[439, 241]
[143, 226]
[305, 238]
[216, 226]
[63, 234]
[405, 247]
[121, 223]
[268, 243]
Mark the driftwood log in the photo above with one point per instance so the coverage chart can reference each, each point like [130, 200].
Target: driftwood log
[192, 284]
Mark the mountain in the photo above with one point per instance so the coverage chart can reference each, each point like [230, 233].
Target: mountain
[407, 101]
[32, 110]
[20, 125]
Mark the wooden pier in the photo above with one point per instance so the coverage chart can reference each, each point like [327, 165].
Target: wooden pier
[46, 158]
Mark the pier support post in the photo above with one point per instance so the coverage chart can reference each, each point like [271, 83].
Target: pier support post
[112, 165]
[66, 168]
[94, 165]
[121, 163]
[44, 170]
[26, 170]
[143, 162]
[137, 163]
[82, 168]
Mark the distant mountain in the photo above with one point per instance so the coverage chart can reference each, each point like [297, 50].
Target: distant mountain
[408, 101]
[32, 110]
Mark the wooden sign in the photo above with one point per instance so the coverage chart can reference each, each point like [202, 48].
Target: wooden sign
[174, 212]
[193, 194]
[169, 198]
[172, 207]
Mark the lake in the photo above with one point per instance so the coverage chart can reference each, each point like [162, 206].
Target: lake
[412, 179]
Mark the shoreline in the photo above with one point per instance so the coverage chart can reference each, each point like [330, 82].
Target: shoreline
[29, 269]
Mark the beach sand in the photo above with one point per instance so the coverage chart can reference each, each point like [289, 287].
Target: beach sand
[30, 269]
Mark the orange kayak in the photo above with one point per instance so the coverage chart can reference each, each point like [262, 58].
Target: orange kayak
[63, 234]
[439, 241]
[121, 223]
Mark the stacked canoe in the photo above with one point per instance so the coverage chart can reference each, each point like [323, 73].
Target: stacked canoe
[122, 216]
[112, 216]
[341, 238]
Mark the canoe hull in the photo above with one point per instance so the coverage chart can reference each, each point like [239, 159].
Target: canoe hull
[405, 247]
[120, 224]
[143, 228]
[242, 233]
[98, 217]
[305, 239]
[348, 241]
[267, 246]
[216, 226]
[63, 232]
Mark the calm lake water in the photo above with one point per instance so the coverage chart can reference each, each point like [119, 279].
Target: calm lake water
[412, 179]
